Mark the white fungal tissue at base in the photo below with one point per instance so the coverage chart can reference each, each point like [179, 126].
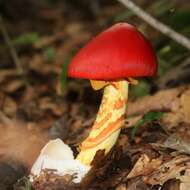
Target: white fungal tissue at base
[58, 156]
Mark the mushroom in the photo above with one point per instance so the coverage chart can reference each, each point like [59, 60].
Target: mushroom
[108, 61]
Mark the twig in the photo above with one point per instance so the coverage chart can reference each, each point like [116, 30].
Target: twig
[156, 24]
[11, 47]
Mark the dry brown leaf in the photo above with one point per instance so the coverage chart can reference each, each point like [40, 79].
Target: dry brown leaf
[178, 143]
[48, 180]
[172, 184]
[5, 73]
[185, 103]
[165, 100]
[185, 180]
[9, 106]
[13, 85]
[46, 103]
[38, 62]
[174, 102]
[180, 115]
[144, 166]
[172, 119]
[121, 187]
[30, 94]
[139, 166]
[169, 170]
[74, 28]
[137, 184]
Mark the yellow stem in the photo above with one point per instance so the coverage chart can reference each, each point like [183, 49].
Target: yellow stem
[108, 123]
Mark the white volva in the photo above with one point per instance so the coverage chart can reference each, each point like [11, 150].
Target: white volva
[58, 156]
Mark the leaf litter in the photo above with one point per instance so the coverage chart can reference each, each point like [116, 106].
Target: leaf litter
[154, 157]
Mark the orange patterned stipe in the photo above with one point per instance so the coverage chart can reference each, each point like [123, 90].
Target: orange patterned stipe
[91, 142]
[99, 124]
[119, 104]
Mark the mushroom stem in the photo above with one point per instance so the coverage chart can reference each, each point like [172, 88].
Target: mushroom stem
[108, 123]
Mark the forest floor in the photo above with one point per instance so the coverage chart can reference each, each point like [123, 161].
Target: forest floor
[38, 102]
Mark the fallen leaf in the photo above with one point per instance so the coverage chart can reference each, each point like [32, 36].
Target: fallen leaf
[185, 103]
[144, 166]
[5, 73]
[178, 143]
[9, 106]
[169, 170]
[13, 85]
[46, 103]
[121, 187]
[185, 180]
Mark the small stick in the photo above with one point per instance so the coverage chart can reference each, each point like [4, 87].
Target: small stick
[184, 41]
[11, 48]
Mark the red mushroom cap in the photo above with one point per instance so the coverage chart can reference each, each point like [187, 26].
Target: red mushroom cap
[119, 52]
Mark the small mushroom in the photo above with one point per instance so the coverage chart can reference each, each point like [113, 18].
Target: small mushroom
[109, 61]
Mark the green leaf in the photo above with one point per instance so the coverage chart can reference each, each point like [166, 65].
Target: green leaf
[135, 128]
[165, 50]
[26, 39]
[141, 89]
[63, 77]
[49, 54]
[148, 117]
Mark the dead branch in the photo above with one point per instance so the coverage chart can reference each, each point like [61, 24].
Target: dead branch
[184, 41]
[11, 47]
